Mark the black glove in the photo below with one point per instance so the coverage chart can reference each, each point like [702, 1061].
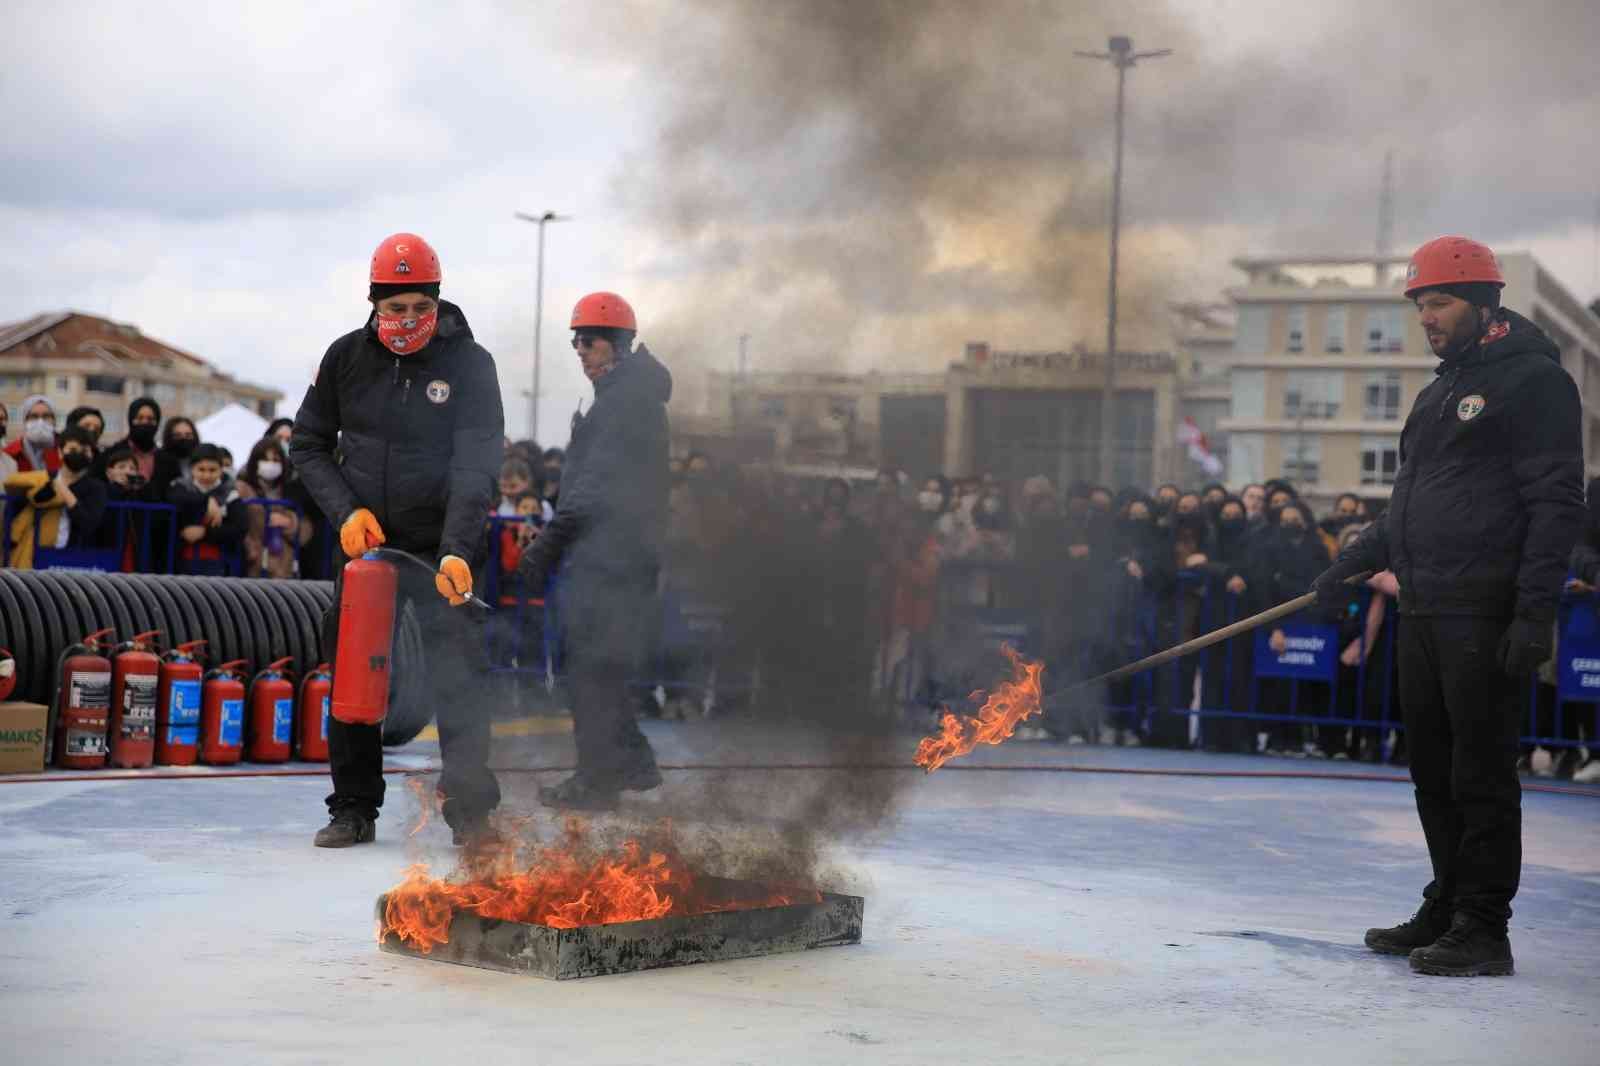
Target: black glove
[1330, 583]
[1524, 647]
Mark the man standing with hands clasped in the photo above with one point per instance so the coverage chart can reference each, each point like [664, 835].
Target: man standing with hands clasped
[1487, 505]
[398, 441]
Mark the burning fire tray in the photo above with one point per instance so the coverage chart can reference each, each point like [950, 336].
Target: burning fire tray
[622, 947]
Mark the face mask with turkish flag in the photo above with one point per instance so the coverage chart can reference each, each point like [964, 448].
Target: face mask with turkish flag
[405, 334]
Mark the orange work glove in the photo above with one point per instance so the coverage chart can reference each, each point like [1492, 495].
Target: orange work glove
[360, 533]
[454, 579]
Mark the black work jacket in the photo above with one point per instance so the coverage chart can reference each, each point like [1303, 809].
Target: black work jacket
[612, 514]
[416, 439]
[1488, 501]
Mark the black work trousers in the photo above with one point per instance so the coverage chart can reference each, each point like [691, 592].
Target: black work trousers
[454, 684]
[607, 623]
[1460, 715]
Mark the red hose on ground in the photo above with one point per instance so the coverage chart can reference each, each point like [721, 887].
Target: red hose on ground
[1026, 768]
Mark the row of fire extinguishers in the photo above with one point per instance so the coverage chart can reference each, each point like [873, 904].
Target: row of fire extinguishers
[127, 706]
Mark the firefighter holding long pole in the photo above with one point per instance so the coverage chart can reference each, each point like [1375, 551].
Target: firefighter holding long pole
[398, 441]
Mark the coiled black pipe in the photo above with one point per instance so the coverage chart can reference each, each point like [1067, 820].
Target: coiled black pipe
[258, 620]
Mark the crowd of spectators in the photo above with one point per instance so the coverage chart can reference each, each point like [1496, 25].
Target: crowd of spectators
[889, 590]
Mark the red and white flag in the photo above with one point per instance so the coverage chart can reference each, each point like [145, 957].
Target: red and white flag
[1190, 437]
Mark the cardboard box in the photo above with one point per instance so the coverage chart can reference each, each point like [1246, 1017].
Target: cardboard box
[22, 734]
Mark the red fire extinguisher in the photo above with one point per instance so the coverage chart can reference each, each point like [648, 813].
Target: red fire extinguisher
[132, 726]
[8, 673]
[83, 702]
[271, 713]
[315, 694]
[178, 706]
[222, 714]
[366, 639]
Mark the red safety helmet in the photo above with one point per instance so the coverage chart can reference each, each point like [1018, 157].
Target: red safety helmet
[1451, 261]
[404, 257]
[604, 309]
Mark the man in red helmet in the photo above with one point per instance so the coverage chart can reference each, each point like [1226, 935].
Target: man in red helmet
[399, 443]
[606, 539]
[1486, 507]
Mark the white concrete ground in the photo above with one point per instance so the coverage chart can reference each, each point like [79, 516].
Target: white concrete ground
[1011, 917]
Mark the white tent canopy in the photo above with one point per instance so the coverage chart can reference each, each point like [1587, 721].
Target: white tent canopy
[236, 428]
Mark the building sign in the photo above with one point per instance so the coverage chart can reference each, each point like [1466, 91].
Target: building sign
[1311, 652]
[1077, 361]
[1578, 653]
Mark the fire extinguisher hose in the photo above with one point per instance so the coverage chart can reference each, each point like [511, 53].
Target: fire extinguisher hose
[472, 597]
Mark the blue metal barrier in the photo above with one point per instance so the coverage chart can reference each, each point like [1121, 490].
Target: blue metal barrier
[108, 558]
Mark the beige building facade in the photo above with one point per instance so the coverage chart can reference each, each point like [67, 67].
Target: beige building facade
[1328, 357]
[75, 359]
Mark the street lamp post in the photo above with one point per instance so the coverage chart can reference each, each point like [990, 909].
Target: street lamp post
[1122, 56]
[538, 317]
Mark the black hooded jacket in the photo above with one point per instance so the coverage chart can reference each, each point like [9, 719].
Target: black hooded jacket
[612, 514]
[1488, 502]
[416, 439]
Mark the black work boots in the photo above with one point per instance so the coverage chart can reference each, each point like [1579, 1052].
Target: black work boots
[1471, 947]
[347, 829]
[1423, 928]
[585, 791]
[1436, 944]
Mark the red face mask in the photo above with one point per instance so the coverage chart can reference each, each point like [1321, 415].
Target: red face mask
[404, 335]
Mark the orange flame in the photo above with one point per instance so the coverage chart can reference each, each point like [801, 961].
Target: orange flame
[563, 889]
[1014, 702]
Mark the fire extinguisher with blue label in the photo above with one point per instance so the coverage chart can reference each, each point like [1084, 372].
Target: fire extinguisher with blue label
[222, 714]
[178, 706]
[135, 671]
[81, 705]
[272, 713]
[315, 695]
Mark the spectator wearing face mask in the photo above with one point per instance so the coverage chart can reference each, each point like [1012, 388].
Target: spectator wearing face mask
[151, 463]
[211, 520]
[1254, 498]
[179, 439]
[36, 448]
[92, 421]
[66, 507]
[315, 556]
[1293, 557]
[272, 533]
[1228, 671]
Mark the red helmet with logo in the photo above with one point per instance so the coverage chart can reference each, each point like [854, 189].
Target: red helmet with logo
[1451, 261]
[404, 257]
[604, 309]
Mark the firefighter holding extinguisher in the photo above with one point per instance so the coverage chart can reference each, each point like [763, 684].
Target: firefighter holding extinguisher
[398, 442]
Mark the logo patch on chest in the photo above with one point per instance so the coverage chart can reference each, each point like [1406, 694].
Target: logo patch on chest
[439, 392]
[1469, 408]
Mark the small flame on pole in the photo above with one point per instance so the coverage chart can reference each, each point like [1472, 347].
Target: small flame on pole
[1002, 711]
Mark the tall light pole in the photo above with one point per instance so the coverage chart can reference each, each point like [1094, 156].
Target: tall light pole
[1122, 56]
[538, 317]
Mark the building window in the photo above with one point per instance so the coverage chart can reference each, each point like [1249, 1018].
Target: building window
[1386, 329]
[1246, 458]
[1333, 330]
[1313, 394]
[1249, 394]
[1380, 460]
[63, 384]
[772, 407]
[165, 396]
[1382, 396]
[1251, 336]
[106, 383]
[1302, 458]
[1295, 334]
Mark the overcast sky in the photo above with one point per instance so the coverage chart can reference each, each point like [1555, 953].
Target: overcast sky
[853, 183]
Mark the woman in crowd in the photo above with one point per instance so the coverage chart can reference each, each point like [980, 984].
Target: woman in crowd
[62, 510]
[35, 447]
[1291, 559]
[274, 536]
[179, 439]
[92, 421]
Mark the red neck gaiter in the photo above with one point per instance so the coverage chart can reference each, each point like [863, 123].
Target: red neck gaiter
[405, 336]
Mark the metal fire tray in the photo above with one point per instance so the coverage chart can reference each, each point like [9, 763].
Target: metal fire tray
[592, 950]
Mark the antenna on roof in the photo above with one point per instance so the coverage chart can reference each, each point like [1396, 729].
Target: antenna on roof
[1386, 214]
